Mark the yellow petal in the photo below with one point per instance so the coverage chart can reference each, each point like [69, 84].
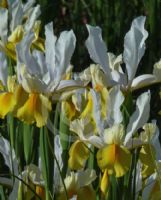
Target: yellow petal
[104, 182]
[68, 109]
[3, 4]
[7, 103]
[147, 157]
[106, 157]
[10, 50]
[104, 102]
[86, 192]
[114, 158]
[78, 154]
[122, 162]
[1, 86]
[21, 97]
[88, 109]
[40, 191]
[35, 109]
[16, 35]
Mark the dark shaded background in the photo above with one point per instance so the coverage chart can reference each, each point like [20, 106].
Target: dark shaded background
[113, 16]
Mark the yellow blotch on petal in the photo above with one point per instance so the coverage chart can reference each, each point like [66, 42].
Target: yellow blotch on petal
[38, 42]
[7, 103]
[10, 50]
[104, 102]
[16, 35]
[115, 159]
[36, 109]
[78, 154]
[88, 109]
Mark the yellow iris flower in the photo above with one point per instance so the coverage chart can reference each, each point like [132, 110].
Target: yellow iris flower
[35, 109]
[11, 99]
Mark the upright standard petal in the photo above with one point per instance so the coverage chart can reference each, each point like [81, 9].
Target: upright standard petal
[97, 49]
[50, 48]
[116, 99]
[3, 69]
[3, 24]
[140, 116]
[65, 46]
[134, 46]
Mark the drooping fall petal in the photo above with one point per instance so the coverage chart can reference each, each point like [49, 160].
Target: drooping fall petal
[78, 154]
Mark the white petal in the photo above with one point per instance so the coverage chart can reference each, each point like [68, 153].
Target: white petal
[65, 46]
[68, 85]
[134, 46]
[32, 18]
[97, 49]
[97, 111]
[140, 116]
[28, 5]
[86, 177]
[25, 57]
[143, 81]
[50, 49]
[116, 99]
[3, 24]
[17, 15]
[3, 68]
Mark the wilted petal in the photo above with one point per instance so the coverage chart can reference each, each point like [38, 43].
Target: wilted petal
[97, 49]
[134, 46]
[140, 116]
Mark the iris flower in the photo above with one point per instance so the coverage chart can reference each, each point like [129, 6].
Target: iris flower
[134, 48]
[41, 75]
[15, 21]
[79, 185]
